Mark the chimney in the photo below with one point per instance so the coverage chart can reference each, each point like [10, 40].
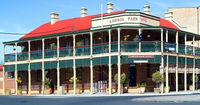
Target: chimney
[168, 15]
[83, 12]
[110, 7]
[147, 9]
[54, 17]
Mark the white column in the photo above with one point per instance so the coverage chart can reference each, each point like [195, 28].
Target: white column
[43, 70]
[167, 36]
[58, 68]
[185, 70]
[193, 70]
[177, 61]
[119, 63]
[162, 61]
[185, 38]
[185, 75]
[167, 73]
[167, 65]
[193, 75]
[109, 65]
[91, 64]
[4, 77]
[29, 70]
[74, 63]
[140, 32]
[16, 73]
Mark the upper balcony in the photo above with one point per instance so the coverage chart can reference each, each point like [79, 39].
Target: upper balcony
[131, 40]
[126, 46]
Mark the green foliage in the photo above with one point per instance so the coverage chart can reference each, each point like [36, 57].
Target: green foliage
[143, 84]
[136, 38]
[157, 77]
[47, 82]
[71, 80]
[123, 78]
[78, 43]
[19, 80]
[53, 46]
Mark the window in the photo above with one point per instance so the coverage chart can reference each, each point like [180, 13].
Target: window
[11, 75]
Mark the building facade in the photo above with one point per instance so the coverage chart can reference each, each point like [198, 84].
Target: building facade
[97, 49]
[187, 18]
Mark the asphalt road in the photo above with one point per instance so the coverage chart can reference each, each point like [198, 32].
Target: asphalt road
[60, 100]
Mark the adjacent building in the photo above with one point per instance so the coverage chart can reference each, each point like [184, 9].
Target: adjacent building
[97, 48]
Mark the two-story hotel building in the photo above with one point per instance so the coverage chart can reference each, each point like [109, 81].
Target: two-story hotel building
[95, 48]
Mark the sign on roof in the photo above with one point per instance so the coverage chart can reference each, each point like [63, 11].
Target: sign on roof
[125, 20]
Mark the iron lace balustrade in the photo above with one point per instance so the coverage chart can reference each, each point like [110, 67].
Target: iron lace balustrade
[50, 53]
[100, 48]
[22, 56]
[150, 46]
[181, 49]
[66, 51]
[114, 46]
[129, 46]
[36, 54]
[189, 50]
[82, 50]
[10, 57]
[197, 51]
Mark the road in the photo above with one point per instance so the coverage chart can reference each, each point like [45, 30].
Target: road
[112, 100]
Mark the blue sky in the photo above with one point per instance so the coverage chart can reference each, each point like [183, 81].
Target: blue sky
[22, 16]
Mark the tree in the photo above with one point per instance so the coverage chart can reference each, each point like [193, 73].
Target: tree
[157, 78]
[123, 78]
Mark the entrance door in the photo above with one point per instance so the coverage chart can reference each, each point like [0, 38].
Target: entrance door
[132, 75]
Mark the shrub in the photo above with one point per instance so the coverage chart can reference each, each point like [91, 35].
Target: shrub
[123, 78]
[71, 80]
[143, 84]
[157, 78]
[47, 82]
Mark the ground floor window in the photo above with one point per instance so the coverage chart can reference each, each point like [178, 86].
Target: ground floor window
[11, 75]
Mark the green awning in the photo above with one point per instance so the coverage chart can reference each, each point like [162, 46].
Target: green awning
[100, 61]
[181, 60]
[36, 66]
[50, 65]
[66, 63]
[172, 59]
[22, 67]
[114, 59]
[82, 62]
[190, 61]
[9, 67]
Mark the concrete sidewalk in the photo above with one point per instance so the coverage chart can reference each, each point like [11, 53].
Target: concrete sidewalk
[125, 94]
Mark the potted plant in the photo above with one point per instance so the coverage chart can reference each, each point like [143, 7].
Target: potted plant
[143, 86]
[157, 78]
[71, 80]
[191, 79]
[47, 83]
[167, 88]
[7, 91]
[123, 79]
[19, 90]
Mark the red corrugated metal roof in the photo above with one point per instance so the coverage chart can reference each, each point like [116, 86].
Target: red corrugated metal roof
[1, 67]
[76, 24]
[167, 23]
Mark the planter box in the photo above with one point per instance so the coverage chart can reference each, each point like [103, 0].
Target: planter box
[167, 89]
[156, 90]
[47, 91]
[142, 89]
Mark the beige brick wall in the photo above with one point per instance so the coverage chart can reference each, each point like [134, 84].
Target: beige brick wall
[187, 17]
